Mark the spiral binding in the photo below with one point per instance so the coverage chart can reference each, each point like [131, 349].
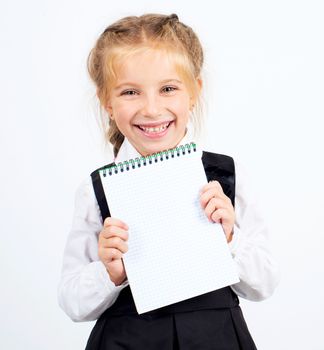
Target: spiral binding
[150, 159]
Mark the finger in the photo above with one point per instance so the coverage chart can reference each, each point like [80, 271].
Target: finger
[115, 242]
[214, 204]
[212, 184]
[112, 254]
[112, 231]
[227, 229]
[109, 221]
[221, 215]
[209, 194]
[108, 255]
[229, 235]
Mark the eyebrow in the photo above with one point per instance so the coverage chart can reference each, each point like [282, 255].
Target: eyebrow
[161, 82]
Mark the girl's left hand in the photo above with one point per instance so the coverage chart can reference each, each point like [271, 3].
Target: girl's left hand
[218, 207]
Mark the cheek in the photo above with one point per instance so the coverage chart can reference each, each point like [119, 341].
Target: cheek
[123, 112]
[122, 119]
[129, 107]
[182, 106]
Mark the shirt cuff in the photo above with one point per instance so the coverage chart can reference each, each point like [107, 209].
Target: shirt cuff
[104, 279]
[234, 243]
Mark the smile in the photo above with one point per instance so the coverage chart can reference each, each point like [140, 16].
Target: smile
[154, 130]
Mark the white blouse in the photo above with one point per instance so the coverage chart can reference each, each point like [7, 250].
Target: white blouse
[85, 290]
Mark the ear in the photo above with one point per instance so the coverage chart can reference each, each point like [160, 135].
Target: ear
[199, 83]
[108, 108]
[192, 99]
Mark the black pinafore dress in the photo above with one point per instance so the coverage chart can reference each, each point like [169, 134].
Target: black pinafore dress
[209, 321]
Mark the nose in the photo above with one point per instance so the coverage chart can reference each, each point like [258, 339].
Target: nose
[151, 106]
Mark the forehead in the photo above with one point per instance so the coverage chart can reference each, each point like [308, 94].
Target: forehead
[151, 65]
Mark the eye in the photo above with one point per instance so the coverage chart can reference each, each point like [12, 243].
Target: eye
[129, 92]
[169, 88]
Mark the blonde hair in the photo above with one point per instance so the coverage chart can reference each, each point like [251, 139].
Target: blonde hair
[132, 35]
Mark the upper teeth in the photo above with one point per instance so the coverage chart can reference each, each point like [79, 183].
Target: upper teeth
[156, 128]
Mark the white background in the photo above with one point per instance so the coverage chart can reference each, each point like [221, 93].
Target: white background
[264, 93]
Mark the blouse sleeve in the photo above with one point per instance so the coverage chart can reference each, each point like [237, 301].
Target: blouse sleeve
[85, 290]
[257, 268]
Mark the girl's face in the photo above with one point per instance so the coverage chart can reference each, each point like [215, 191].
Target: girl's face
[149, 102]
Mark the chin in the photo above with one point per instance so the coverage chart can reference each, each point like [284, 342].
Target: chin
[154, 149]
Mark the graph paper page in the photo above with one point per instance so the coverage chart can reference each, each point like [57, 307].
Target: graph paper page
[174, 252]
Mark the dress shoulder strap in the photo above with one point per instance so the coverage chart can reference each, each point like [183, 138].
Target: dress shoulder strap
[99, 192]
[221, 167]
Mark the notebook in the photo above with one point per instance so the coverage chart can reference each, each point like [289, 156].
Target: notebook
[174, 251]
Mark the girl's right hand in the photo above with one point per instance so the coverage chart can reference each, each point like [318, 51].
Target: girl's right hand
[111, 246]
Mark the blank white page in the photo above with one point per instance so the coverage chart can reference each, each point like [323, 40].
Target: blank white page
[175, 253]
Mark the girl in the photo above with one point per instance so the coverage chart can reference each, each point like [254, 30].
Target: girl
[147, 71]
